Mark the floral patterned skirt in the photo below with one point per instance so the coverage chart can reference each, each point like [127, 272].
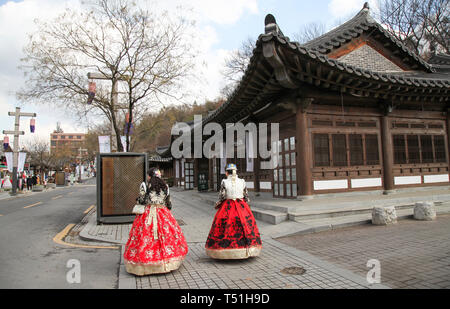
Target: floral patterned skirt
[234, 233]
[156, 243]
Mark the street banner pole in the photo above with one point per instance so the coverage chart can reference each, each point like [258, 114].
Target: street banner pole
[17, 114]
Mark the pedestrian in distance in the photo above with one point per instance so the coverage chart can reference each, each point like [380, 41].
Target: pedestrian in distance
[234, 233]
[29, 183]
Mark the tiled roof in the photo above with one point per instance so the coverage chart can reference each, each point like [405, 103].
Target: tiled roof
[362, 23]
[277, 65]
[440, 63]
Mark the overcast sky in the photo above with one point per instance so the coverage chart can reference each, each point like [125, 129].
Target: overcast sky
[222, 25]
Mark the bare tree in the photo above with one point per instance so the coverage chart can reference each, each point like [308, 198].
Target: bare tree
[309, 32]
[423, 25]
[237, 62]
[118, 39]
[38, 151]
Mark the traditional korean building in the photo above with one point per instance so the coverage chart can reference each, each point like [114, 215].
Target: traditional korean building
[357, 111]
[164, 164]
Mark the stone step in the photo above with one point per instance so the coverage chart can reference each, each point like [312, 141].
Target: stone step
[269, 216]
[349, 211]
[263, 214]
[272, 207]
[324, 224]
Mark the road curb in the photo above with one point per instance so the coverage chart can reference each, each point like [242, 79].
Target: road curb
[84, 233]
[126, 281]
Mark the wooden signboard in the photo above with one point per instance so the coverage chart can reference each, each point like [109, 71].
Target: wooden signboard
[119, 176]
[60, 178]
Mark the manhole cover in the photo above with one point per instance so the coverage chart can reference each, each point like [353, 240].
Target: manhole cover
[295, 270]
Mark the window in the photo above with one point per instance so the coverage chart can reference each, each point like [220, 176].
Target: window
[189, 175]
[63, 137]
[344, 124]
[419, 149]
[321, 150]
[53, 143]
[399, 149]
[427, 148]
[399, 125]
[346, 149]
[322, 123]
[418, 126]
[356, 149]
[413, 149]
[368, 124]
[70, 136]
[439, 148]
[339, 150]
[78, 136]
[284, 175]
[372, 157]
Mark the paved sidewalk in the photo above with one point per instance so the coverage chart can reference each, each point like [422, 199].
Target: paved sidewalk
[199, 271]
[5, 194]
[412, 254]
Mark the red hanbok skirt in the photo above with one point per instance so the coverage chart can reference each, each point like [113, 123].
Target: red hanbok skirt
[156, 243]
[234, 233]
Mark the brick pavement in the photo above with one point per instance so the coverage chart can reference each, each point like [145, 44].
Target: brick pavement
[413, 254]
[198, 271]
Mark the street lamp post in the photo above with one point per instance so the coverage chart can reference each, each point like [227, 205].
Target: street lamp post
[17, 114]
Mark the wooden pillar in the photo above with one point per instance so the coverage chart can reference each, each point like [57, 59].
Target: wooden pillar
[196, 166]
[388, 155]
[304, 151]
[180, 169]
[210, 174]
[256, 165]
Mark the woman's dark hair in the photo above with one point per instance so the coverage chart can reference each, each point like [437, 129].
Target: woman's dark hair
[156, 183]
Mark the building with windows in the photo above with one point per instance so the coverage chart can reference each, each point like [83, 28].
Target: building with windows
[357, 111]
[66, 141]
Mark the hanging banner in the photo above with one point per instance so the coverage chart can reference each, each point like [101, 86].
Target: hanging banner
[5, 142]
[91, 92]
[223, 157]
[21, 161]
[182, 167]
[32, 125]
[125, 128]
[124, 143]
[9, 161]
[249, 151]
[104, 144]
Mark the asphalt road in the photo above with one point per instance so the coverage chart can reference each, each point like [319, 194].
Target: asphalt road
[29, 257]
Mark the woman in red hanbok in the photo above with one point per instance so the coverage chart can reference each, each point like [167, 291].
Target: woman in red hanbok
[234, 233]
[156, 243]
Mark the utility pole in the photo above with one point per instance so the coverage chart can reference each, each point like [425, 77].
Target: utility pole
[115, 101]
[80, 156]
[17, 114]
